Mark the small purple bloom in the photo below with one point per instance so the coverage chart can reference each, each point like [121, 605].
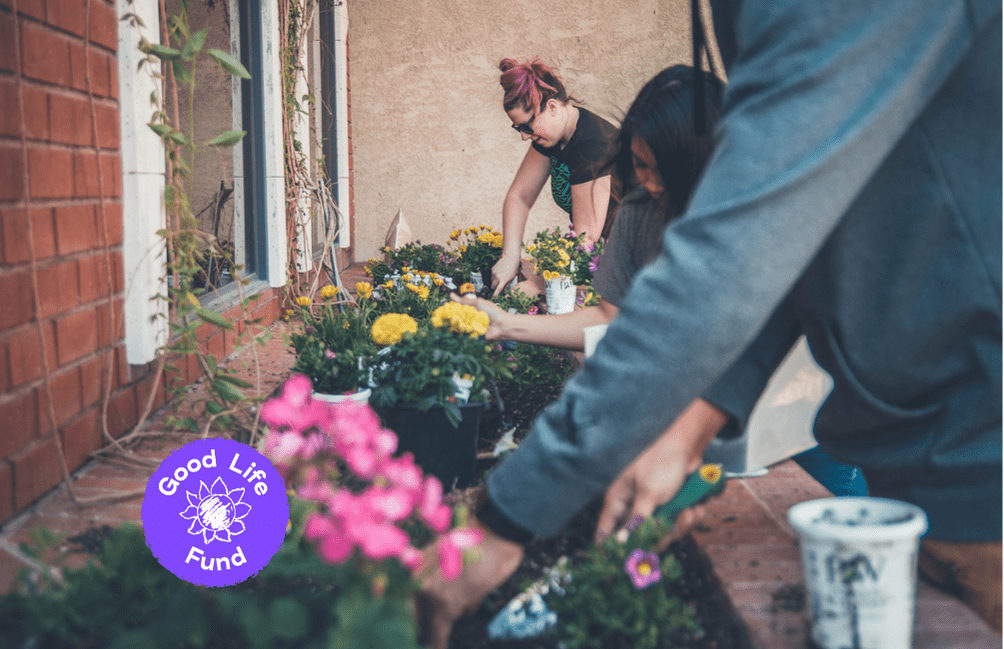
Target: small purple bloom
[643, 568]
[532, 311]
[330, 355]
[594, 263]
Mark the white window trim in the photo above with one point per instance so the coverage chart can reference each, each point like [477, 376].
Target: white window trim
[144, 254]
[342, 117]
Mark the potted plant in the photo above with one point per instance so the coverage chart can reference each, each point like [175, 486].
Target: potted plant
[552, 254]
[430, 383]
[479, 247]
[333, 347]
[411, 292]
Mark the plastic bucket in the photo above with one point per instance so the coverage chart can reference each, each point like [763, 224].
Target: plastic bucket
[860, 562]
[560, 295]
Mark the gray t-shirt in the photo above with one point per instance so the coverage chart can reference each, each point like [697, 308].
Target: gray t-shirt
[635, 240]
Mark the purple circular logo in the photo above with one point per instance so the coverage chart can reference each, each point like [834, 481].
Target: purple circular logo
[215, 512]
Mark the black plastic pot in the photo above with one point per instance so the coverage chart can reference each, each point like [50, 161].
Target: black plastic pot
[440, 449]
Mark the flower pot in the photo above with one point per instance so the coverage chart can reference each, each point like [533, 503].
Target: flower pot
[361, 396]
[440, 449]
[560, 295]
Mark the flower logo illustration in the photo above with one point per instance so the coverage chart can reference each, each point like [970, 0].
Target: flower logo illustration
[216, 513]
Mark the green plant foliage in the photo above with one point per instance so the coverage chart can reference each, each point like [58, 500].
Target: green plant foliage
[516, 301]
[533, 366]
[333, 347]
[603, 608]
[479, 247]
[431, 258]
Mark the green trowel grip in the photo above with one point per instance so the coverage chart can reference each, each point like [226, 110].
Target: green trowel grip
[707, 481]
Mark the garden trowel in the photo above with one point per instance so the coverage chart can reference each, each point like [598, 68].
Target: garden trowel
[527, 615]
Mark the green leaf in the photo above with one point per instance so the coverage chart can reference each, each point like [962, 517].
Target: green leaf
[229, 63]
[181, 72]
[233, 380]
[214, 318]
[162, 52]
[227, 138]
[195, 44]
[226, 391]
[290, 618]
[159, 129]
[214, 408]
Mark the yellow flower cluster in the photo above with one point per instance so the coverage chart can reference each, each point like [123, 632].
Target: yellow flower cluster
[550, 274]
[303, 300]
[390, 327]
[491, 238]
[419, 289]
[364, 290]
[466, 288]
[328, 292]
[461, 319]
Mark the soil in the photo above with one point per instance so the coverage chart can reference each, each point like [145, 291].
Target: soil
[698, 586]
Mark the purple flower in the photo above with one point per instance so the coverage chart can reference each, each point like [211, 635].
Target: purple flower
[330, 355]
[594, 264]
[532, 311]
[643, 567]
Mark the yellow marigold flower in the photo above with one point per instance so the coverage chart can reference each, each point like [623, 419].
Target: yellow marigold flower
[406, 269]
[466, 288]
[711, 473]
[390, 327]
[485, 238]
[497, 241]
[423, 292]
[463, 249]
[303, 300]
[406, 277]
[455, 235]
[412, 287]
[364, 290]
[438, 281]
[472, 230]
[483, 227]
[568, 243]
[328, 292]
[461, 319]
[389, 284]
[531, 247]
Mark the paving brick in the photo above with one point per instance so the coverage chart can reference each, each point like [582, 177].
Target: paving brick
[737, 564]
[58, 288]
[80, 438]
[50, 172]
[6, 491]
[44, 54]
[76, 229]
[18, 305]
[36, 471]
[11, 183]
[76, 335]
[104, 26]
[19, 421]
[67, 15]
[15, 234]
[71, 119]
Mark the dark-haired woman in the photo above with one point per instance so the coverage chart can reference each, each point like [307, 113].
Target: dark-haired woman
[569, 144]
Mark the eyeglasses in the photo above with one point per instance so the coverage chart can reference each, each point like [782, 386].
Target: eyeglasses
[525, 127]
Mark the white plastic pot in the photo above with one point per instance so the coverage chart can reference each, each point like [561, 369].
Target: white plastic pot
[560, 295]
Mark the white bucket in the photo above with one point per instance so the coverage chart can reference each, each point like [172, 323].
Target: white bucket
[560, 295]
[362, 396]
[860, 562]
[478, 281]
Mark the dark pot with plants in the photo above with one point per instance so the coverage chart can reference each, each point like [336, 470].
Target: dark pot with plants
[429, 387]
[333, 347]
[479, 248]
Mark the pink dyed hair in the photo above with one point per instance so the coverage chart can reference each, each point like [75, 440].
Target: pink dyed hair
[529, 84]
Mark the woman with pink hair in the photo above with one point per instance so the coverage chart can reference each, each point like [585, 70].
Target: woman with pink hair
[569, 144]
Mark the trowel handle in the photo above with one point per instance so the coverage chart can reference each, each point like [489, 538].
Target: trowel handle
[707, 481]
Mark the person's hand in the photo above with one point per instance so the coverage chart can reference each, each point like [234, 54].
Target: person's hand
[440, 602]
[495, 313]
[503, 272]
[657, 474]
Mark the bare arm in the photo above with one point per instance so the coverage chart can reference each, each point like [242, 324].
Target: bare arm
[563, 331]
[530, 178]
[589, 207]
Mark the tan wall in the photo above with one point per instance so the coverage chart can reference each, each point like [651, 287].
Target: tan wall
[429, 133]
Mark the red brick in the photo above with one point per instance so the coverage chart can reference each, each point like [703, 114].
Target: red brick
[4, 369]
[71, 119]
[67, 15]
[92, 379]
[10, 114]
[75, 228]
[81, 438]
[33, 8]
[110, 330]
[36, 113]
[15, 234]
[113, 223]
[6, 491]
[25, 355]
[104, 26]
[76, 335]
[97, 66]
[18, 305]
[58, 288]
[85, 174]
[44, 54]
[78, 67]
[12, 181]
[143, 393]
[123, 371]
[8, 47]
[111, 170]
[113, 78]
[122, 413]
[36, 471]
[107, 120]
[65, 391]
[50, 172]
[19, 422]
[94, 278]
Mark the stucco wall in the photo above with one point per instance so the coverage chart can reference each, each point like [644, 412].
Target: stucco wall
[429, 133]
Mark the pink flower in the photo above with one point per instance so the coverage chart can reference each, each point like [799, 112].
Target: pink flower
[451, 550]
[335, 546]
[532, 311]
[380, 541]
[330, 355]
[394, 504]
[411, 558]
[282, 448]
[643, 567]
[431, 510]
[295, 409]
[403, 472]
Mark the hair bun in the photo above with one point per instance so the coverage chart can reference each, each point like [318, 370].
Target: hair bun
[507, 64]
